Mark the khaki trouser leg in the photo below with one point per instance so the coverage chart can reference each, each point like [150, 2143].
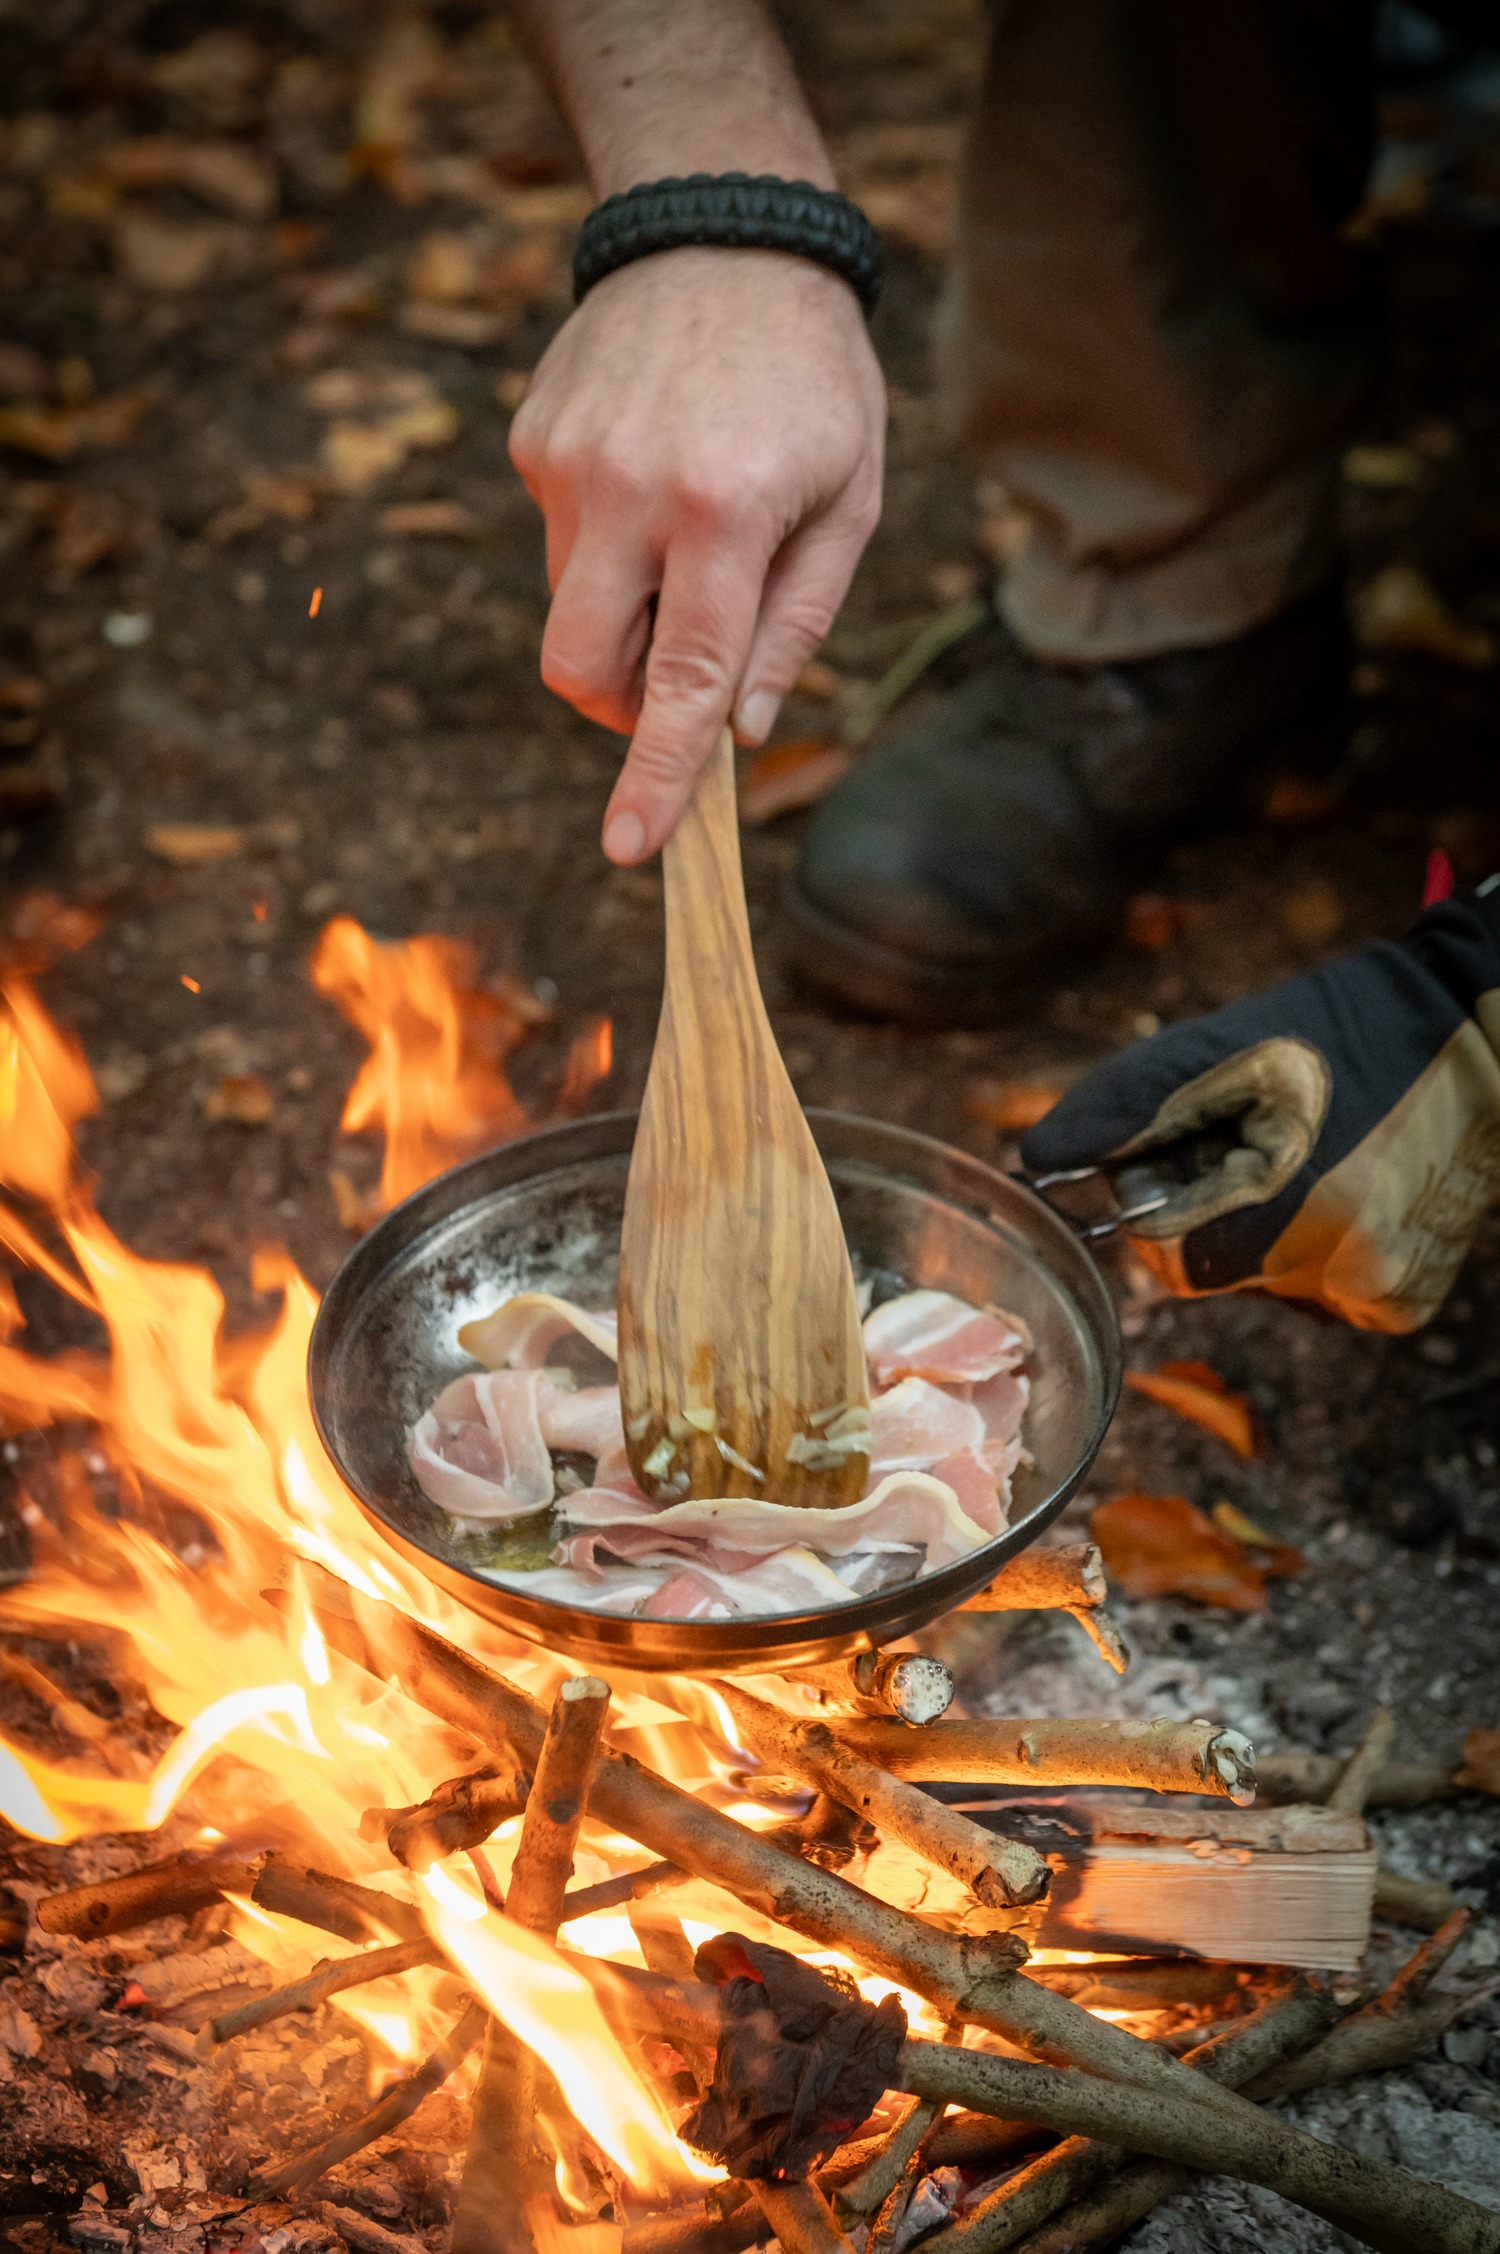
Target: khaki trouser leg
[1152, 334]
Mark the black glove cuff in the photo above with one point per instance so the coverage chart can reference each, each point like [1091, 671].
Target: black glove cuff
[731, 211]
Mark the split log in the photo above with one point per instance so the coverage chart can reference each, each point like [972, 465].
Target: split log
[398, 2105]
[1161, 1756]
[1000, 1872]
[973, 1977]
[905, 1684]
[508, 2173]
[1067, 1579]
[1382, 2206]
[1023, 2202]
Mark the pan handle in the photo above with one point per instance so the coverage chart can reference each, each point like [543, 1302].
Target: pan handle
[1092, 1232]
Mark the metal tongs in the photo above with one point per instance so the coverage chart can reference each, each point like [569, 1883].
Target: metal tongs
[1143, 1182]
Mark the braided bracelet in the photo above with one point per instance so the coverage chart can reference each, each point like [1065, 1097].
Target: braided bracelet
[730, 211]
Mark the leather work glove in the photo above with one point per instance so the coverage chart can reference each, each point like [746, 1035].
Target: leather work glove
[1334, 1139]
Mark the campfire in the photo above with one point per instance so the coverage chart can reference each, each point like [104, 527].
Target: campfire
[714, 1962]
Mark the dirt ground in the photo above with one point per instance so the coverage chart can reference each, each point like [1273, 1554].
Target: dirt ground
[182, 347]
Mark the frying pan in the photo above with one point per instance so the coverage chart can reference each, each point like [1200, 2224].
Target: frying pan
[543, 1214]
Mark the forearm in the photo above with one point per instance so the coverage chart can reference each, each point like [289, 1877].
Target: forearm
[654, 88]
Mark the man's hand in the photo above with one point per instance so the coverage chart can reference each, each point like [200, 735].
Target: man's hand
[704, 438]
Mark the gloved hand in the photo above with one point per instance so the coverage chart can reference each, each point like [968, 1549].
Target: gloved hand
[1333, 1139]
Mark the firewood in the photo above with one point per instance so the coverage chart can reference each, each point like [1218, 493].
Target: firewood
[906, 1684]
[330, 1978]
[999, 1872]
[802, 2219]
[508, 2175]
[1396, 1784]
[1353, 1788]
[1067, 1579]
[1423, 1902]
[398, 2104]
[461, 1813]
[170, 1889]
[1287, 2024]
[1161, 1756]
[1382, 2206]
[972, 1976]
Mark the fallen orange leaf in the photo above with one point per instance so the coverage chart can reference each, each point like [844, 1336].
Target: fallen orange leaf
[1200, 1394]
[1010, 1105]
[1279, 1561]
[791, 775]
[1481, 1762]
[1161, 1546]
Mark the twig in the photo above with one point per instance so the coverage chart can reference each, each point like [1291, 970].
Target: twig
[1382, 2206]
[325, 1980]
[1424, 1964]
[460, 1814]
[1067, 1579]
[398, 2104]
[1162, 1756]
[968, 1976]
[1025, 2201]
[929, 642]
[272, 1882]
[1353, 1788]
[802, 2219]
[626, 1886]
[507, 2172]
[906, 1684]
[1000, 1872]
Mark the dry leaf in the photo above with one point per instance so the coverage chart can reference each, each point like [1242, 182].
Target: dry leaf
[791, 775]
[1480, 1771]
[1199, 1393]
[1010, 1105]
[1385, 468]
[1278, 1560]
[58, 433]
[1400, 609]
[511, 387]
[242, 1097]
[444, 269]
[214, 74]
[1153, 922]
[1313, 914]
[467, 326]
[226, 173]
[428, 520]
[175, 255]
[1161, 1546]
[188, 845]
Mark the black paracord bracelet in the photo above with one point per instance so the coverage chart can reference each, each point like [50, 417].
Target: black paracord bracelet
[730, 211]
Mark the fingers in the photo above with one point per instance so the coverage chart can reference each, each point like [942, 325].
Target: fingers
[804, 588]
[600, 623]
[710, 598]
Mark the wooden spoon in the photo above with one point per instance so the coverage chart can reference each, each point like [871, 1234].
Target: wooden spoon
[742, 1368]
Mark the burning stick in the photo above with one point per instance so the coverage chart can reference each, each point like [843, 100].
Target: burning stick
[801, 2218]
[1383, 2206]
[1161, 1756]
[506, 2173]
[461, 1813]
[905, 1684]
[1069, 1579]
[334, 1905]
[327, 1979]
[398, 2104]
[972, 1977]
[1000, 1872]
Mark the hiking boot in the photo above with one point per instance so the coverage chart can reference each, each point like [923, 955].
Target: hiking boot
[1011, 821]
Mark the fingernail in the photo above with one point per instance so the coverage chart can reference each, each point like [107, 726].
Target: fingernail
[757, 715]
[625, 837]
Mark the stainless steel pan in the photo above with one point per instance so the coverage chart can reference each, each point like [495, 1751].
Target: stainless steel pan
[543, 1214]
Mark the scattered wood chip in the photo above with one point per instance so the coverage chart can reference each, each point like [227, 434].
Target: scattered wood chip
[226, 173]
[791, 775]
[1199, 1393]
[242, 1097]
[1400, 609]
[172, 256]
[1162, 1546]
[1312, 914]
[1011, 1106]
[445, 268]
[428, 520]
[468, 326]
[187, 845]
[410, 415]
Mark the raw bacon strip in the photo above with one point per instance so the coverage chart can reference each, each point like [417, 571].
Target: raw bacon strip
[619, 1590]
[972, 1479]
[907, 1510]
[933, 1335]
[1001, 1401]
[585, 1423]
[915, 1423]
[522, 1331]
[479, 1450]
[791, 1580]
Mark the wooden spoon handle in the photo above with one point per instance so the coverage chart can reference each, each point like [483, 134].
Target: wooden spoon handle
[708, 924]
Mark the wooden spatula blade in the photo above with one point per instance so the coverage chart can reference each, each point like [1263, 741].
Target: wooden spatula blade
[742, 1366]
